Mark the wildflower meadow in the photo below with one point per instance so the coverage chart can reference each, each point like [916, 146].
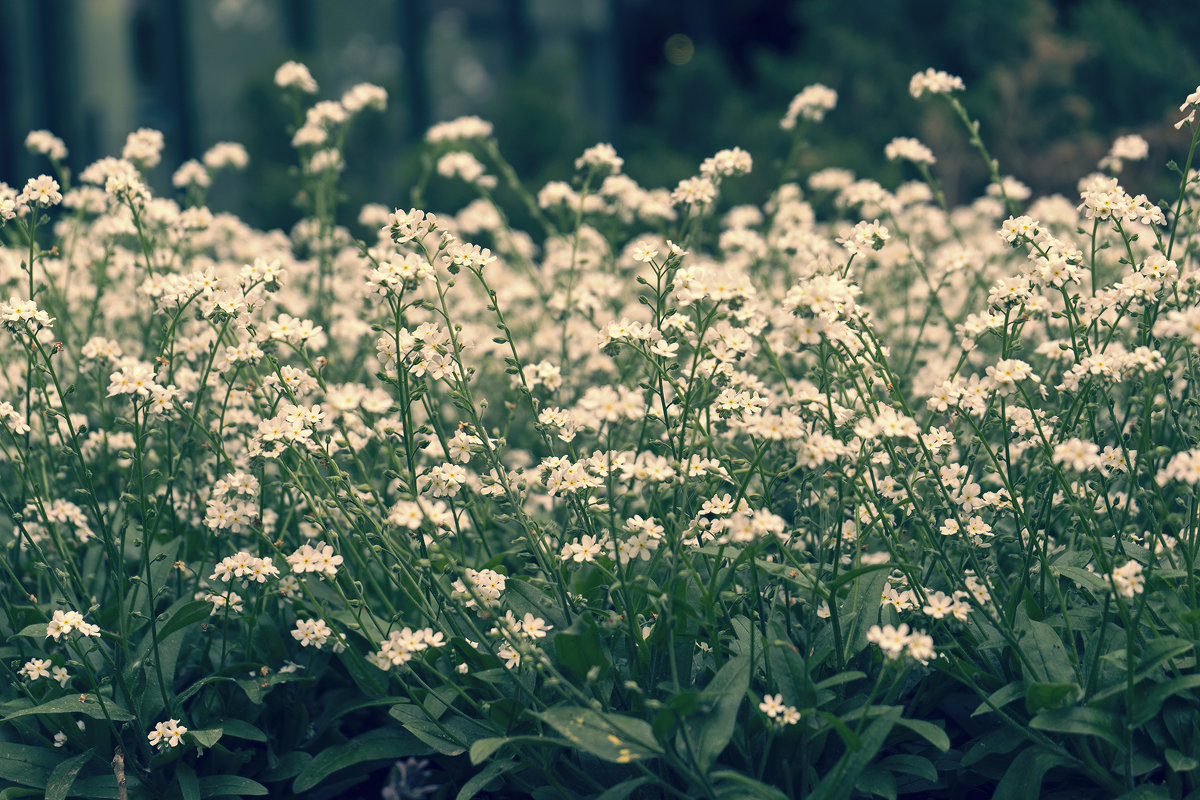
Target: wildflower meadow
[589, 490]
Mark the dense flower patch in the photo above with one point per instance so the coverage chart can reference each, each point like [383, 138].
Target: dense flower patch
[850, 493]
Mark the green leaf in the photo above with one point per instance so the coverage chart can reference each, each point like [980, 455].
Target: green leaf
[189, 613]
[1085, 721]
[417, 722]
[377, 745]
[483, 748]
[27, 765]
[37, 630]
[256, 688]
[1023, 779]
[918, 766]
[75, 704]
[450, 738]
[791, 674]
[1157, 651]
[1000, 698]
[439, 700]
[480, 782]
[1147, 707]
[206, 737]
[927, 731]
[838, 783]
[1047, 655]
[623, 789]
[1178, 762]
[995, 743]
[860, 610]
[849, 737]
[240, 729]
[1050, 695]
[840, 678]
[878, 782]
[612, 737]
[195, 688]
[289, 766]
[105, 786]
[63, 776]
[189, 786]
[216, 785]
[854, 574]
[725, 692]
[1088, 580]
[369, 679]
[743, 628]
[1152, 656]
[143, 676]
[732, 785]
[581, 648]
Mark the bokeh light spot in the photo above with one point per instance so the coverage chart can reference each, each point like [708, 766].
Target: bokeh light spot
[679, 49]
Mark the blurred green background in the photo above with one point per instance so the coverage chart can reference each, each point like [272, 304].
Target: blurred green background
[669, 83]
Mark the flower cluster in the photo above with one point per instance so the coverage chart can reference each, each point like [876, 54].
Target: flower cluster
[779, 714]
[312, 633]
[65, 622]
[1128, 579]
[657, 416]
[487, 585]
[243, 565]
[167, 734]
[933, 81]
[898, 641]
[811, 103]
[318, 558]
[403, 645]
[36, 668]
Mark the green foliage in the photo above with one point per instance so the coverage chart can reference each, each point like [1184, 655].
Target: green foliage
[779, 501]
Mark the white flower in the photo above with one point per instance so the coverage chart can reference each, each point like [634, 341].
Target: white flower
[698, 191]
[67, 621]
[1128, 579]
[35, 668]
[294, 75]
[457, 129]
[891, 640]
[864, 237]
[167, 734]
[312, 632]
[512, 658]
[533, 627]
[47, 144]
[772, 705]
[909, 150]
[644, 251]
[934, 82]
[42, 191]
[61, 675]
[365, 95]
[486, 584]
[319, 558]
[811, 103]
[144, 147]
[600, 156]
[1077, 455]
[17, 313]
